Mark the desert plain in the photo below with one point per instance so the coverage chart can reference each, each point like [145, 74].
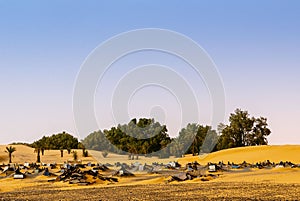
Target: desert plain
[252, 182]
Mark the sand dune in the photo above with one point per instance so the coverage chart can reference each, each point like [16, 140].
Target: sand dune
[274, 176]
[26, 154]
[274, 153]
[113, 158]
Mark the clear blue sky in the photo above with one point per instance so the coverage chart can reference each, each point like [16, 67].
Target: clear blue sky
[255, 45]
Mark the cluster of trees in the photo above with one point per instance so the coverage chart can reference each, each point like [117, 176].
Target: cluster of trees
[57, 141]
[137, 137]
[191, 140]
[147, 136]
[243, 130]
[60, 141]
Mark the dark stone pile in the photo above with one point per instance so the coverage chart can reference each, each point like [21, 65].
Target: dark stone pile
[74, 175]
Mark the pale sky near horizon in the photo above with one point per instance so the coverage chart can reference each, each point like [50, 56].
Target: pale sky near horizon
[254, 44]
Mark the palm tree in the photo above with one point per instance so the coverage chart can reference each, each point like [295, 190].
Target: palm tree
[10, 150]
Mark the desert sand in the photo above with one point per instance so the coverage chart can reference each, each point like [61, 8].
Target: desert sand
[266, 184]
[275, 153]
[26, 154]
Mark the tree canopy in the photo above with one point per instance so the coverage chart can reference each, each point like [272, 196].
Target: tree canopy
[137, 137]
[10, 150]
[146, 136]
[243, 130]
[57, 141]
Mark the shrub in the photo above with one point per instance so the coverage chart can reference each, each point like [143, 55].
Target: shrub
[75, 155]
[104, 154]
[85, 153]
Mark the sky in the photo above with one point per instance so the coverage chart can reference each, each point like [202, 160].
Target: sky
[255, 46]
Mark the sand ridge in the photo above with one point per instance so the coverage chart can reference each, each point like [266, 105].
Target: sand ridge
[253, 154]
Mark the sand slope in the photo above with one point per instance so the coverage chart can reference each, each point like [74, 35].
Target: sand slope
[26, 154]
[113, 158]
[274, 153]
[237, 155]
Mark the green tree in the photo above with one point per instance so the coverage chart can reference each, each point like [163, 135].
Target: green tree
[189, 134]
[198, 135]
[60, 141]
[10, 150]
[38, 145]
[139, 137]
[38, 156]
[98, 141]
[243, 130]
[260, 132]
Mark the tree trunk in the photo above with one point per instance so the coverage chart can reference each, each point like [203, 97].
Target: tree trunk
[38, 160]
[9, 155]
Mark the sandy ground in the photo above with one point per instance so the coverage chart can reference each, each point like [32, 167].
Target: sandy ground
[27, 154]
[255, 184]
[113, 158]
[274, 153]
[198, 191]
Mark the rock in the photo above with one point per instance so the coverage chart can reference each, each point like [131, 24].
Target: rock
[19, 176]
[75, 181]
[180, 177]
[123, 173]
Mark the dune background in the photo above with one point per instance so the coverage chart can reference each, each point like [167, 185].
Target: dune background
[274, 153]
[26, 154]
[255, 154]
